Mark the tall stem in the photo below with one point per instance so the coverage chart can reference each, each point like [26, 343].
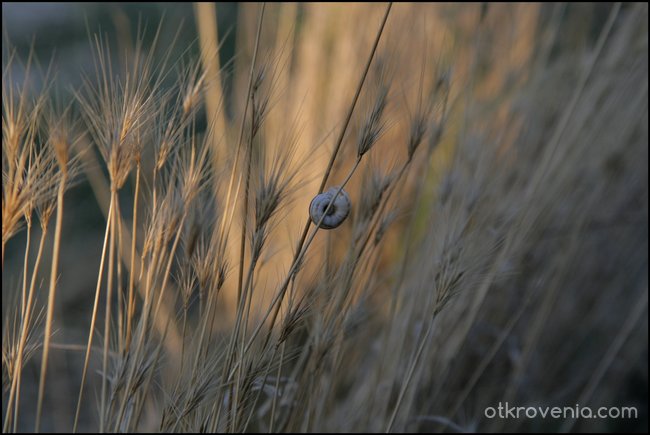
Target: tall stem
[277, 300]
[249, 153]
[50, 300]
[239, 144]
[119, 291]
[24, 331]
[131, 302]
[25, 266]
[409, 375]
[94, 317]
[107, 314]
[339, 142]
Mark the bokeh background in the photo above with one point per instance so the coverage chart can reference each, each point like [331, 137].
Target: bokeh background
[493, 55]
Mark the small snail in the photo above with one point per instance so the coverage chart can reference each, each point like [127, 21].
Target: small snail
[337, 212]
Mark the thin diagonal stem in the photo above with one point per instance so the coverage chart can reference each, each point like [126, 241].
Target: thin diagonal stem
[107, 315]
[51, 300]
[239, 145]
[275, 305]
[409, 375]
[93, 318]
[15, 385]
[131, 296]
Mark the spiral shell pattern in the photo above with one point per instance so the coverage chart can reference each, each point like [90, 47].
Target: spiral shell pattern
[337, 212]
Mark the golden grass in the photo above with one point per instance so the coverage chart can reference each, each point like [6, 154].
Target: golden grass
[496, 249]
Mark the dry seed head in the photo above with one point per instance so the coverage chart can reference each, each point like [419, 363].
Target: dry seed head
[192, 81]
[416, 133]
[45, 211]
[386, 221]
[374, 125]
[161, 224]
[31, 182]
[24, 164]
[293, 320]
[193, 172]
[221, 274]
[20, 112]
[260, 101]
[165, 141]
[277, 174]
[11, 338]
[271, 191]
[43, 180]
[117, 108]
[201, 261]
[374, 185]
[186, 284]
[267, 200]
[62, 138]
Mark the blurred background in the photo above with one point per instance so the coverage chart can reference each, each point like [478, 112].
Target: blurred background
[500, 59]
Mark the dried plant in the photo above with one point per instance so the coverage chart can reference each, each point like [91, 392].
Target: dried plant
[486, 166]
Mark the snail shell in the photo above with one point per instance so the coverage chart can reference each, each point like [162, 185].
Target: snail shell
[337, 212]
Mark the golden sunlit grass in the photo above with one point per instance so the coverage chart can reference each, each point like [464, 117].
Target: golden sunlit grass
[495, 249]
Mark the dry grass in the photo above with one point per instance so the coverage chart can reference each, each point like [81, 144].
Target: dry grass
[496, 249]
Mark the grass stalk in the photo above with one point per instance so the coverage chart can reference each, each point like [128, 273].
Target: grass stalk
[131, 295]
[93, 319]
[409, 375]
[339, 141]
[50, 300]
[103, 411]
[23, 296]
[15, 385]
